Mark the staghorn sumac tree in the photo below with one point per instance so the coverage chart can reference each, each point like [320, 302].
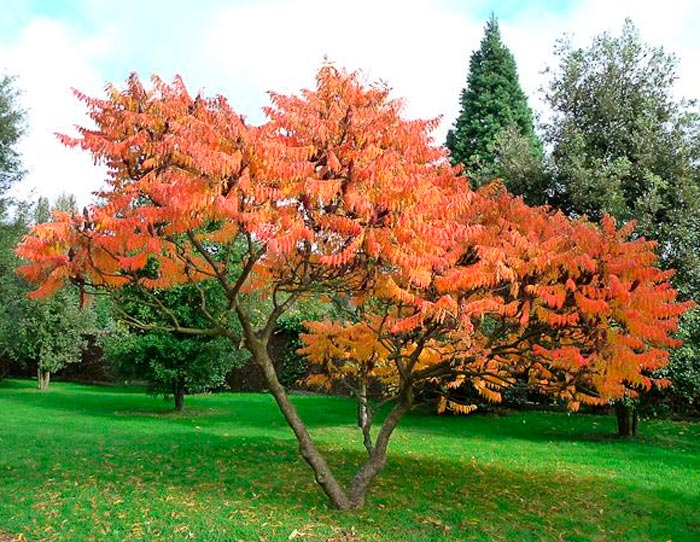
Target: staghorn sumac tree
[338, 194]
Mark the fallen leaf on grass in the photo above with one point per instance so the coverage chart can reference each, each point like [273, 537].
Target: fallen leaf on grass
[346, 535]
[437, 523]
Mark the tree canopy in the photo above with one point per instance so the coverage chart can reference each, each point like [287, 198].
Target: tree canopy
[622, 144]
[11, 129]
[173, 363]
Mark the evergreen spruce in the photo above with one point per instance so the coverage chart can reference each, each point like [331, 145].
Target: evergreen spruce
[494, 136]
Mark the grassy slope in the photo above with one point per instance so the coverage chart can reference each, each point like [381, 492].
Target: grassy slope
[84, 463]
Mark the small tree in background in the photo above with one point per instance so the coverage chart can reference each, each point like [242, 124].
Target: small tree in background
[50, 333]
[173, 363]
[494, 136]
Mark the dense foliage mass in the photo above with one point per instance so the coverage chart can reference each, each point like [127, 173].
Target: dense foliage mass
[12, 124]
[622, 144]
[339, 194]
[12, 289]
[11, 129]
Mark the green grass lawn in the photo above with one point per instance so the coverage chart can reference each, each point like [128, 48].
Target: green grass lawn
[81, 463]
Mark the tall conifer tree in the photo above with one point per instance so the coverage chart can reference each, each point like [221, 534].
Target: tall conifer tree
[494, 136]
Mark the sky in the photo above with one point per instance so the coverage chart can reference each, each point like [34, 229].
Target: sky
[244, 48]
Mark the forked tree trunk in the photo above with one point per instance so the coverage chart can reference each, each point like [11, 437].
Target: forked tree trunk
[339, 497]
[627, 419]
[377, 457]
[42, 380]
[322, 472]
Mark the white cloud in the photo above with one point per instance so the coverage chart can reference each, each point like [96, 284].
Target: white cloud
[418, 48]
[531, 36]
[48, 60]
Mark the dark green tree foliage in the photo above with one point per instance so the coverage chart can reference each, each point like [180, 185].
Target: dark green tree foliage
[13, 289]
[11, 228]
[11, 129]
[493, 136]
[620, 142]
[173, 363]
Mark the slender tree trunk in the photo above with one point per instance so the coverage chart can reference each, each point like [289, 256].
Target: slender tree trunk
[179, 395]
[365, 418]
[627, 419]
[339, 497]
[43, 378]
[322, 472]
[362, 407]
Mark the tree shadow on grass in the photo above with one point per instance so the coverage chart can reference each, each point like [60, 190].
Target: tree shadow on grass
[232, 414]
[57, 383]
[215, 485]
[13, 384]
[550, 427]
[164, 474]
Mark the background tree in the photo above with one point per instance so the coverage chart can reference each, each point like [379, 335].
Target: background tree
[12, 125]
[174, 364]
[494, 136]
[11, 129]
[46, 333]
[622, 144]
[13, 289]
[51, 333]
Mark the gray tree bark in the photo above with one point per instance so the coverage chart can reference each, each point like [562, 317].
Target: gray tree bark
[43, 378]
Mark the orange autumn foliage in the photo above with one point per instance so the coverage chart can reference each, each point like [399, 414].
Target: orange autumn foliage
[579, 310]
[338, 192]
